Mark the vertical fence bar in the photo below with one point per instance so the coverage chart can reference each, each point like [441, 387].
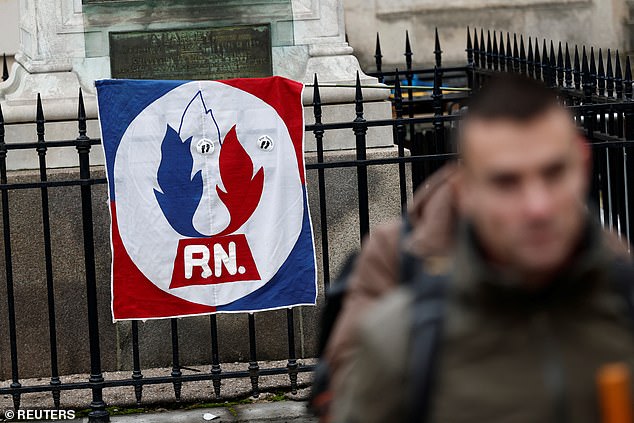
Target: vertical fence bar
[618, 87]
[176, 367]
[360, 129]
[292, 358]
[530, 61]
[483, 62]
[489, 51]
[98, 412]
[567, 69]
[538, 62]
[577, 69]
[399, 135]
[254, 367]
[502, 53]
[601, 77]
[516, 55]
[629, 153]
[410, 77]
[378, 59]
[560, 66]
[137, 376]
[215, 355]
[439, 127]
[476, 48]
[609, 76]
[545, 64]
[496, 53]
[48, 261]
[552, 64]
[588, 120]
[321, 181]
[522, 56]
[8, 263]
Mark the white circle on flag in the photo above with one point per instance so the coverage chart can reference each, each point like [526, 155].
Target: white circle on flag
[273, 228]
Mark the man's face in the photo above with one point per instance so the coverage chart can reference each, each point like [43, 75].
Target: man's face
[523, 185]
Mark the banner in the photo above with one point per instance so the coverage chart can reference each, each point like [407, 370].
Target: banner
[207, 193]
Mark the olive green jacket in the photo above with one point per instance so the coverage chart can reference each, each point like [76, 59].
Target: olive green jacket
[506, 355]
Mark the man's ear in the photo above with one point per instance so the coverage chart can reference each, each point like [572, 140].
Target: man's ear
[460, 189]
[585, 151]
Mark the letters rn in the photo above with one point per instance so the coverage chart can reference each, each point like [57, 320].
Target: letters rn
[206, 261]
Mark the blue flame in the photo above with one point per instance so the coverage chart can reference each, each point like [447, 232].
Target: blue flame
[180, 192]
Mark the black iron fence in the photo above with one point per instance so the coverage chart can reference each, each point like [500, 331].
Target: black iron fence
[600, 99]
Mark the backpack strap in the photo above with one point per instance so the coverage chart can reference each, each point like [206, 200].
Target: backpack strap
[408, 263]
[427, 312]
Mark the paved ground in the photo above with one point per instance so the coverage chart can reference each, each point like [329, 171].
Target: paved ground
[274, 404]
[280, 411]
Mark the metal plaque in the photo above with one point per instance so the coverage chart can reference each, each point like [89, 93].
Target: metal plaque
[202, 53]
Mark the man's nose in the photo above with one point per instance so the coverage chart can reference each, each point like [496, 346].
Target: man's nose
[538, 201]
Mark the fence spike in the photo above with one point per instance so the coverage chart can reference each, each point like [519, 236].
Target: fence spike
[39, 122]
[593, 70]
[316, 100]
[2, 152]
[358, 98]
[530, 61]
[496, 54]
[469, 49]
[476, 49]
[618, 76]
[516, 55]
[609, 75]
[585, 74]
[628, 79]
[601, 75]
[545, 63]
[577, 69]
[81, 115]
[482, 49]
[489, 52]
[437, 50]
[509, 57]
[538, 61]
[5, 68]
[552, 66]
[502, 53]
[378, 57]
[408, 52]
[567, 68]
[522, 56]
[560, 66]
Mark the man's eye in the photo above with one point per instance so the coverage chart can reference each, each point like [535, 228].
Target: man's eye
[554, 172]
[504, 182]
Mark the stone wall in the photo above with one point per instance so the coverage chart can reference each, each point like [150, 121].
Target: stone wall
[598, 23]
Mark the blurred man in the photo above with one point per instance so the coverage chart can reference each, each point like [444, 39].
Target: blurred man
[514, 322]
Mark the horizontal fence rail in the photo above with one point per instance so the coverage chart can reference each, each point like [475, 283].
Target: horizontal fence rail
[423, 130]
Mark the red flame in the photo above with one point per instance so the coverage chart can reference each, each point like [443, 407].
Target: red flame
[243, 190]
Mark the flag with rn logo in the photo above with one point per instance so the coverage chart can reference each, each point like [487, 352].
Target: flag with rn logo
[207, 195]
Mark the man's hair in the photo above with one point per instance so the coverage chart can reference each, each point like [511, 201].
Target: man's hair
[511, 96]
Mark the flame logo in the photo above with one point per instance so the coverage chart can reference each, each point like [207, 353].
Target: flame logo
[181, 192]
